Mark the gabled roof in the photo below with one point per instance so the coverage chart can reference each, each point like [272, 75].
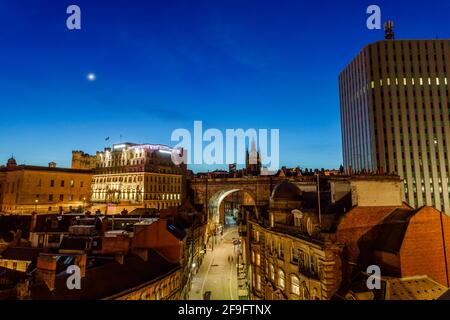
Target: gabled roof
[109, 279]
[176, 231]
[390, 233]
[356, 224]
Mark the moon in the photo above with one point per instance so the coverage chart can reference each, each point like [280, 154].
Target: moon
[91, 76]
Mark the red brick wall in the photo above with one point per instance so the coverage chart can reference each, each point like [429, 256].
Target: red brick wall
[422, 251]
[157, 237]
[357, 223]
[115, 245]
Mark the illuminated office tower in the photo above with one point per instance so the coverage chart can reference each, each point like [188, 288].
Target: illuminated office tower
[395, 107]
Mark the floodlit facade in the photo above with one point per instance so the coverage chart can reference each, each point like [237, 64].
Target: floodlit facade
[132, 176]
[24, 189]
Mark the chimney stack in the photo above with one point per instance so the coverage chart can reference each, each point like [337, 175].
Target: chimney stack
[46, 270]
[47, 264]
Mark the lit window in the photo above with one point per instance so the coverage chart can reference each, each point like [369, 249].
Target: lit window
[280, 250]
[295, 285]
[281, 279]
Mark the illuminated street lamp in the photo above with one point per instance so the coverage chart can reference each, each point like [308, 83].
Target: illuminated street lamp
[35, 205]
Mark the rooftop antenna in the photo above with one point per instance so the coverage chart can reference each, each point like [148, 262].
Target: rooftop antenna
[389, 33]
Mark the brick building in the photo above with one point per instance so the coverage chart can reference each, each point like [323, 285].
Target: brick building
[24, 189]
[102, 278]
[295, 251]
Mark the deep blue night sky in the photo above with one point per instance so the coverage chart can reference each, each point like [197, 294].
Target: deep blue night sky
[160, 65]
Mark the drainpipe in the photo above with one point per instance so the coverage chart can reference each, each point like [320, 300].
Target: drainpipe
[445, 250]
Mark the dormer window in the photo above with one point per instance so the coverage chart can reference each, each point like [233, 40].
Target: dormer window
[299, 219]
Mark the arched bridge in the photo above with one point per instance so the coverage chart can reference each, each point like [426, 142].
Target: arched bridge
[211, 192]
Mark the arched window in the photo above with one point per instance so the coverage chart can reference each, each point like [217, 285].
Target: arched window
[295, 285]
[281, 279]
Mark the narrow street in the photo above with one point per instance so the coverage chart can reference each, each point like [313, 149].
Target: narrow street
[217, 274]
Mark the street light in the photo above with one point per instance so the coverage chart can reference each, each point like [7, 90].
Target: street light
[35, 205]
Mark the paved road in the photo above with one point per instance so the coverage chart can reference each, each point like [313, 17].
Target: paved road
[217, 274]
